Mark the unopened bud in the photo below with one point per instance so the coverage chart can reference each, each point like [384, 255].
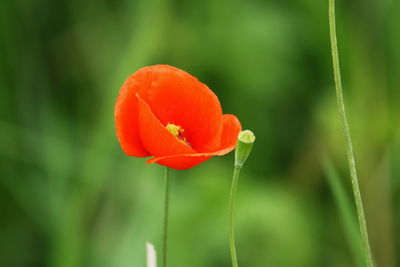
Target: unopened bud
[244, 145]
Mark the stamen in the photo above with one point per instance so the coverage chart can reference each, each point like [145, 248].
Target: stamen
[177, 131]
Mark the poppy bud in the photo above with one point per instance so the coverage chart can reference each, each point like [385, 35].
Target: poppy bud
[244, 145]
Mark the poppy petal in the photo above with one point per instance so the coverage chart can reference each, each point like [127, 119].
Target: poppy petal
[176, 97]
[230, 133]
[231, 130]
[155, 137]
[125, 116]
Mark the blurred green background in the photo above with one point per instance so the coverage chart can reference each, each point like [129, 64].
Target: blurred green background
[69, 196]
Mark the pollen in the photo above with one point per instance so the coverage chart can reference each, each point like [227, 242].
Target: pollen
[177, 131]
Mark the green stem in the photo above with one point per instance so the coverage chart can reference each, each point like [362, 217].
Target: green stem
[349, 146]
[166, 210]
[232, 199]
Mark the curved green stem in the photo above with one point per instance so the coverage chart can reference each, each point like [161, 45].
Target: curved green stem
[346, 130]
[166, 211]
[232, 199]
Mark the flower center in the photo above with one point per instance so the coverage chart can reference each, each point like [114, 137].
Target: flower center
[177, 131]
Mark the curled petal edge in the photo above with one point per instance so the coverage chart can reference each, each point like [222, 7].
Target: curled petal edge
[186, 161]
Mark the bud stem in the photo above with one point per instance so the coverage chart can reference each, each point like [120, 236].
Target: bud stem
[244, 146]
[232, 200]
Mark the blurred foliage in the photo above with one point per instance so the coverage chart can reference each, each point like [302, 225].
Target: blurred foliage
[70, 197]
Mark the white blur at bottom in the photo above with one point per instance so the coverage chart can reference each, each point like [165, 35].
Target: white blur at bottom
[151, 255]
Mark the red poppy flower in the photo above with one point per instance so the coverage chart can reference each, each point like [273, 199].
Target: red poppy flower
[164, 112]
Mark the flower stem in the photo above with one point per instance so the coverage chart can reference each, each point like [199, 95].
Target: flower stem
[232, 199]
[346, 130]
[166, 210]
